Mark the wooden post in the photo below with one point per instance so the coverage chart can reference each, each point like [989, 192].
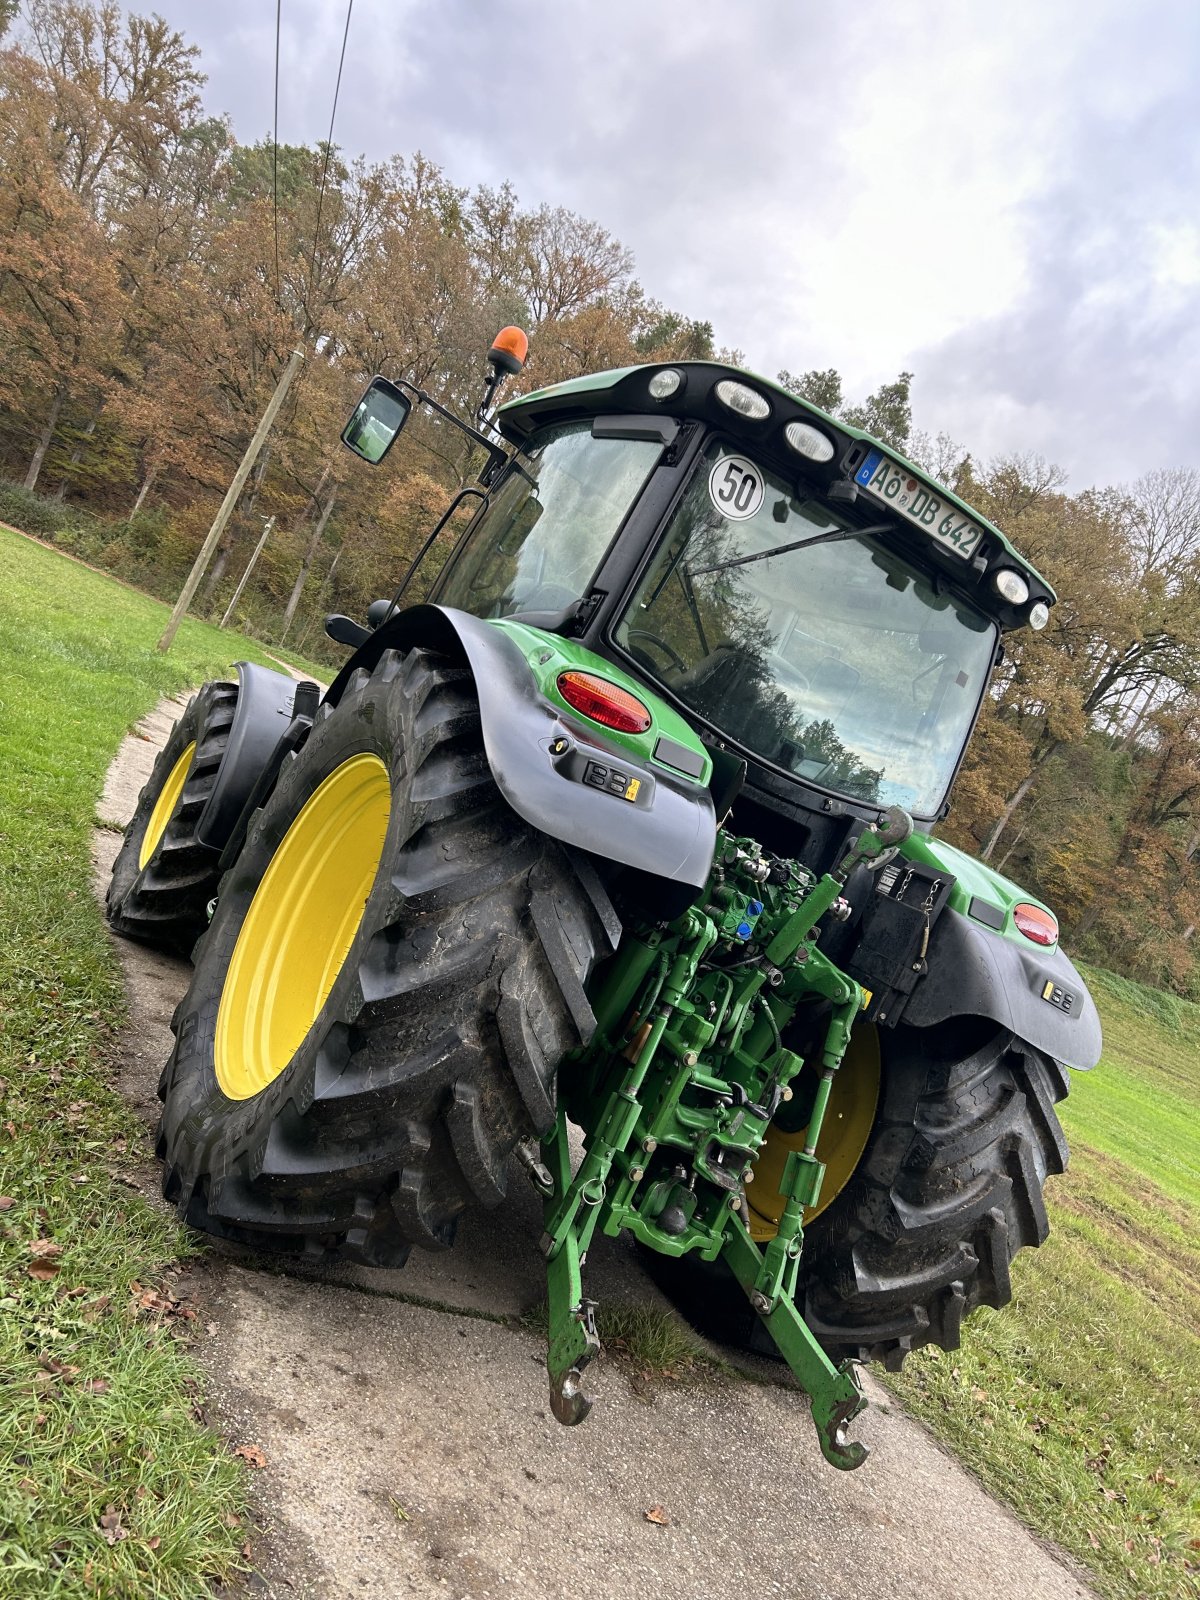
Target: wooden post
[245, 578]
[232, 495]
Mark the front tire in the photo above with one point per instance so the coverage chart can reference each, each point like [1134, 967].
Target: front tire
[355, 1060]
[163, 878]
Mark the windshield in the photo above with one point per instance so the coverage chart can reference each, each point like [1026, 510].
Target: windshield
[830, 656]
[546, 527]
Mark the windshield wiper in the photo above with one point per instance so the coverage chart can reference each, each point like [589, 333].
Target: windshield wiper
[831, 537]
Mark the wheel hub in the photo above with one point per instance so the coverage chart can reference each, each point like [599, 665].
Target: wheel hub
[300, 925]
[847, 1127]
[164, 806]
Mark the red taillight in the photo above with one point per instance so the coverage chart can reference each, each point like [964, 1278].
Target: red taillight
[604, 702]
[1036, 923]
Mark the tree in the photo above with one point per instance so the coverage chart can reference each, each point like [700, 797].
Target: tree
[822, 389]
[887, 413]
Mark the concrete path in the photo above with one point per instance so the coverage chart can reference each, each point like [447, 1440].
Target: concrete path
[410, 1449]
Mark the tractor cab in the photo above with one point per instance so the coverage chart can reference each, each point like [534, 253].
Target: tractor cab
[809, 601]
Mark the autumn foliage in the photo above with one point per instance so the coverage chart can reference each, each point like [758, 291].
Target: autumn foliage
[155, 275]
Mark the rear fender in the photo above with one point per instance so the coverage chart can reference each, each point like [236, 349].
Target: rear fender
[264, 710]
[547, 760]
[1035, 993]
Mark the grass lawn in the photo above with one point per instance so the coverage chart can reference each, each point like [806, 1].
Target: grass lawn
[109, 1486]
[1079, 1403]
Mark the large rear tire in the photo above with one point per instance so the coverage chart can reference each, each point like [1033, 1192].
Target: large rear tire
[372, 1027]
[949, 1188]
[163, 878]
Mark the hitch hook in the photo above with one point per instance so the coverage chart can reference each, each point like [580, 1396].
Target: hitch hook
[568, 1401]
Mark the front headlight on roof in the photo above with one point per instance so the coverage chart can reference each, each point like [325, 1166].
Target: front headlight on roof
[665, 383]
[809, 441]
[740, 397]
[1010, 586]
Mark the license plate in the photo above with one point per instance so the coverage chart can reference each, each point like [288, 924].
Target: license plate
[896, 487]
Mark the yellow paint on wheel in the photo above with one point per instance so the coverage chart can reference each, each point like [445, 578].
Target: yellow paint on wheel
[164, 806]
[300, 925]
[847, 1127]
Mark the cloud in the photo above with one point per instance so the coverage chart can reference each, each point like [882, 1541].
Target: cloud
[998, 199]
[1096, 363]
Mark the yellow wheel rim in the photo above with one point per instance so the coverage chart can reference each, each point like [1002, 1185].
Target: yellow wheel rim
[300, 926]
[164, 806]
[844, 1134]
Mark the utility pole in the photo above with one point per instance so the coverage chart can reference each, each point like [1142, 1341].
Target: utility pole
[232, 494]
[245, 578]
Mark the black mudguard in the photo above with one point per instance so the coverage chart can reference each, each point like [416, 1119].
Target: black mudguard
[672, 835]
[264, 710]
[1036, 993]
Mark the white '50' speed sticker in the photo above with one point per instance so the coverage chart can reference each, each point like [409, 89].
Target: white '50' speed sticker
[735, 487]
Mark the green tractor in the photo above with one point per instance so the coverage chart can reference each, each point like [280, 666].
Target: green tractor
[629, 825]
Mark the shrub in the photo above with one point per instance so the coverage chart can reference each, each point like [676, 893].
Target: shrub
[40, 515]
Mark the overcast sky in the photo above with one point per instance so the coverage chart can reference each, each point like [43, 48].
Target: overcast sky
[1004, 200]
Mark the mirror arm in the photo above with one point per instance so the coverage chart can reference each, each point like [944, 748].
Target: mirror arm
[463, 494]
[496, 455]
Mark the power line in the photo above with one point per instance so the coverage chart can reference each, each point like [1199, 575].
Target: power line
[275, 147]
[312, 266]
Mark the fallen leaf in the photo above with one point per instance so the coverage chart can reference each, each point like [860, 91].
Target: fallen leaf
[6, 1202]
[246, 1551]
[251, 1455]
[1092, 1540]
[658, 1516]
[45, 1247]
[153, 1544]
[979, 1395]
[44, 1270]
[97, 1385]
[110, 1526]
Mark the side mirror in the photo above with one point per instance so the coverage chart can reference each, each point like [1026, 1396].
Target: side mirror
[378, 418]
